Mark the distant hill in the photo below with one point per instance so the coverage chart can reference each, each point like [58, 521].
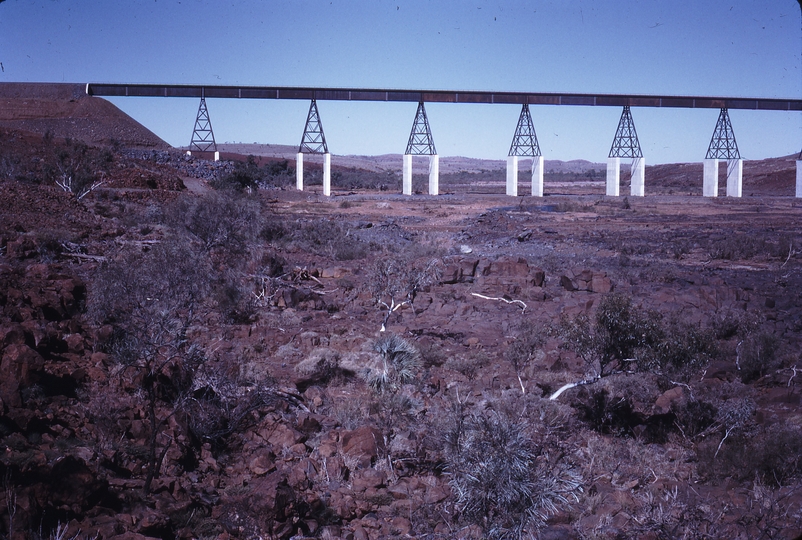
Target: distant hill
[66, 111]
[392, 162]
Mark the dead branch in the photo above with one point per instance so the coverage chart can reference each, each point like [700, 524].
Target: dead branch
[791, 253]
[98, 258]
[675, 383]
[519, 303]
[794, 370]
[568, 386]
[392, 308]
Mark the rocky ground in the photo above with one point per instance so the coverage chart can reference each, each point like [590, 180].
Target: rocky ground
[210, 363]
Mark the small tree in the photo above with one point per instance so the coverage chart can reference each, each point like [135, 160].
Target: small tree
[396, 281]
[616, 341]
[222, 222]
[151, 299]
[76, 167]
[524, 349]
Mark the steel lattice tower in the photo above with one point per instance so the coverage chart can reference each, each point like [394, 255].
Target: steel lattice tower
[722, 144]
[625, 143]
[524, 142]
[421, 142]
[202, 135]
[313, 141]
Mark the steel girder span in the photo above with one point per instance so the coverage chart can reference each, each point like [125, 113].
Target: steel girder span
[440, 96]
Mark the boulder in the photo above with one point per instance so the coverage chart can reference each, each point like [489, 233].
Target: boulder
[601, 283]
[18, 366]
[586, 280]
[368, 478]
[663, 403]
[538, 277]
[364, 443]
[507, 267]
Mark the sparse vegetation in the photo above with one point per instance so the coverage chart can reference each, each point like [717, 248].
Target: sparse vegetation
[503, 479]
[206, 362]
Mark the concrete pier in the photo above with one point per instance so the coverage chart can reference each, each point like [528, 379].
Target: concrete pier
[735, 176]
[710, 183]
[512, 176]
[406, 181]
[799, 178]
[613, 176]
[299, 171]
[327, 174]
[434, 174]
[638, 183]
[537, 176]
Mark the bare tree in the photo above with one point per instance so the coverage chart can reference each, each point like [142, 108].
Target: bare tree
[77, 168]
[396, 281]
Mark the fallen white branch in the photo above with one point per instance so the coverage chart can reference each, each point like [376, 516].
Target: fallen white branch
[688, 386]
[568, 386]
[84, 256]
[794, 369]
[519, 303]
[791, 253]
[726, 434]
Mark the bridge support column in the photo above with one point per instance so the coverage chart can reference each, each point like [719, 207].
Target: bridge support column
[638, 184]
[299, 171]
[613, 176]
[710, 184]
[735, 176]
[625, 145]
[327, 174]
[799, 177]
[434, 174]
[512, 176]
[537, 176]
[406, 180]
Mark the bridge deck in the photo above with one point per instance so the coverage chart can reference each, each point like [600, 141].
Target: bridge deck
[440, 96]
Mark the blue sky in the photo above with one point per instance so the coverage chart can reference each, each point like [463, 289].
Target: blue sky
[738, 48]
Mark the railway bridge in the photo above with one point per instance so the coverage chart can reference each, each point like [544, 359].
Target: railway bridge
[722, 147]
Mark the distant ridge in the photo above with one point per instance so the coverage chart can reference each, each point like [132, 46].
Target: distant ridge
[392, 162]
[66, 111]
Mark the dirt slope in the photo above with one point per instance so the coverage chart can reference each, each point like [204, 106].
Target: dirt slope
[66, 111]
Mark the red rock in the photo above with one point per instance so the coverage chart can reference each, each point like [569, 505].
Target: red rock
[601, 284]
[75, 343]
[368, 478]
[12, 334]
[401, 526]
[262, 464]
[283, 436]
[505, 267]
[538, 277]
[567, 283]
[663, 403]
[451, 274]
[364, 443]
[17, 366]
[436, 494]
